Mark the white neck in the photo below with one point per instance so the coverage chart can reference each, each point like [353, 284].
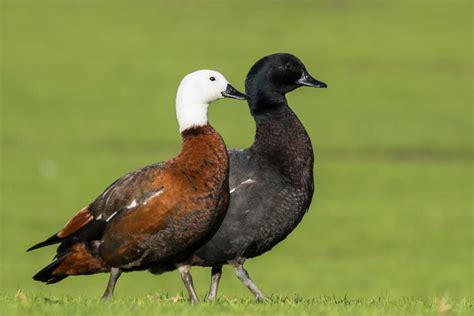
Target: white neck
[190, 113]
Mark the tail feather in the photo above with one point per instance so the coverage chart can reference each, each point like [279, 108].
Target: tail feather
[79, 259]
[46, 274]
[77, 252]
[79, 225]
[50, 241]
[56, 279]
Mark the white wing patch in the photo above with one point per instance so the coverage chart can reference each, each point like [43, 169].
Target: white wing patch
[157, 193]
[111, 216]
[133, 204]
[248, 181]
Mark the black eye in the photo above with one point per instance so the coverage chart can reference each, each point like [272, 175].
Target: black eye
[212, 79]
[287, 65]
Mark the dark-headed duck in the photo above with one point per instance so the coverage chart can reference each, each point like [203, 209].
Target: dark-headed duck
[271, 183]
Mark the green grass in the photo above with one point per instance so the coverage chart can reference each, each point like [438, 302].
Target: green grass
[171, 305]
[87, 94]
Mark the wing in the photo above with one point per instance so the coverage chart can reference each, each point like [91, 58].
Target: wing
[124, 194]
[249, 181]
[241, 166]
[127, 192]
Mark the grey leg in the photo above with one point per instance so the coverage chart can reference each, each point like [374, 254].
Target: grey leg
[215, 278]
[243, 276]
[109, 291]
[188, 282]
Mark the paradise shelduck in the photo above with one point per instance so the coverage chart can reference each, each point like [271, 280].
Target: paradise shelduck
[271, 183]
[158, 215]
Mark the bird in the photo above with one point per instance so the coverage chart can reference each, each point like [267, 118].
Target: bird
[158, 215]
[271, 182]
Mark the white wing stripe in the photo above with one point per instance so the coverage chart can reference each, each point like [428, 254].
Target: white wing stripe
[248, 181]
[110, 217]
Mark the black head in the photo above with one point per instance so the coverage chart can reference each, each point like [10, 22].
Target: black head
[275, 75]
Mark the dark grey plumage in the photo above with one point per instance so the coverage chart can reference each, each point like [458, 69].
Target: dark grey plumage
[272, 181]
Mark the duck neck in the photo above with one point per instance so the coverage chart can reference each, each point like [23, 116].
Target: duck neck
[282, 139]
[190, 113]
[203, 151]
[264, 102]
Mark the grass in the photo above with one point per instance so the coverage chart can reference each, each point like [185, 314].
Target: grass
[166, 305]
[87, 94]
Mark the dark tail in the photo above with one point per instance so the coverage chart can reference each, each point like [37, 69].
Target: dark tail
[77, 259]
[46, 274]
[75, 254]
[50, 241]
[82, 227]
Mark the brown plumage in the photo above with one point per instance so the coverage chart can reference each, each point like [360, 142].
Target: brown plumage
[80, 219]
[80, 261]
[155, 217]
[181, 200]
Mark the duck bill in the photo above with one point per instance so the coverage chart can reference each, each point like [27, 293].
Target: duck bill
[307, 80]
[231, 92]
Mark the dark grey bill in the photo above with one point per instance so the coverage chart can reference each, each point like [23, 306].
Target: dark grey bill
[307, 80]
[231, 92]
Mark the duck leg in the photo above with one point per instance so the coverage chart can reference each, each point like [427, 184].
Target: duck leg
[109, 291]
[188, 283]
[216, 274]
[243, 276]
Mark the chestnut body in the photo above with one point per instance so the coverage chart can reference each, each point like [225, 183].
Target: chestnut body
[156, 216]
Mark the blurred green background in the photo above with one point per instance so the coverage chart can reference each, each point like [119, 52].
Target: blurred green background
[88, 92]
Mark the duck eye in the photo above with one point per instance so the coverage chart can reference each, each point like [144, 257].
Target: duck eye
[212, 79]
[287, 65]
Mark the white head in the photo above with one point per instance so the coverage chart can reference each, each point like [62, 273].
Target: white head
[196, 91]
